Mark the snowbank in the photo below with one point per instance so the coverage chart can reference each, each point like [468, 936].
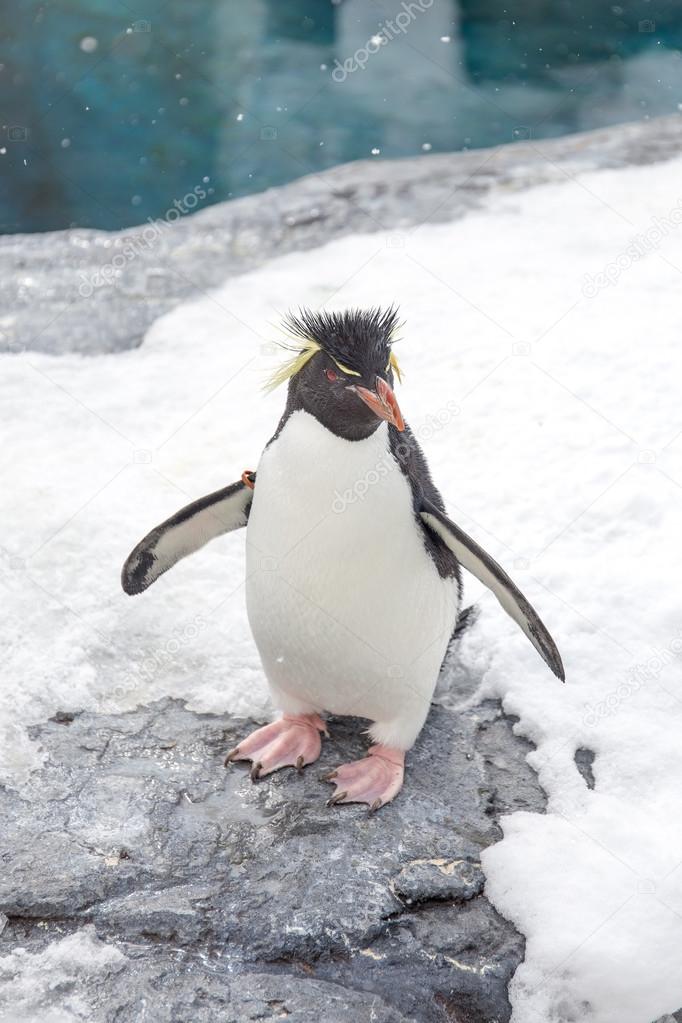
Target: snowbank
[551, 321]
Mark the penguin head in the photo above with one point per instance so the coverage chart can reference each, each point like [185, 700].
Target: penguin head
[343, 370]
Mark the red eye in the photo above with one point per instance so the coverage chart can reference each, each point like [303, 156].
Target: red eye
[331, 375]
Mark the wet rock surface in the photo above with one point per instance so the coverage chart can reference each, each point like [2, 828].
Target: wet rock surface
[238, 901]
[96, 291]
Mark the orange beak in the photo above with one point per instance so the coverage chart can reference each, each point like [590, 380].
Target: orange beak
[382, 403]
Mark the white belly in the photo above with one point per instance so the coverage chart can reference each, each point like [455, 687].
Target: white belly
[346, 606]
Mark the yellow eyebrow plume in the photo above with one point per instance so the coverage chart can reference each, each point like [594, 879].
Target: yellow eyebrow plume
[304, 352]
[292, 366]
[393, 364]
[346, 369]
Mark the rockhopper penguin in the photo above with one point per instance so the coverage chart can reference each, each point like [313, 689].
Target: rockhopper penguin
[353, 583]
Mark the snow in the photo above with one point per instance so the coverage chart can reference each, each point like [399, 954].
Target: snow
[49, 986]
[548, 404]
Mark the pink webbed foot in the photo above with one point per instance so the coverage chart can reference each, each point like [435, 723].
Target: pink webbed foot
[375, 780]
[293, 741]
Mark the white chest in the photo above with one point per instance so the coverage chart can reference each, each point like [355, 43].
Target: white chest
[343, 599]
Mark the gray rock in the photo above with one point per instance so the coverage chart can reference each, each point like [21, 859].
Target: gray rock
[584, 759]
[239, 901]
[96, 291]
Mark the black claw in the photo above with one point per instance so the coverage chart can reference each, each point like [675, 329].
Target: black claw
[299, 764]
[336, 798]
[231, 755]
[329, 775]
[375, 806]
[255, 771]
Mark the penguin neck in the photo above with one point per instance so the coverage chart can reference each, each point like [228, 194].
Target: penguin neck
[324, 467]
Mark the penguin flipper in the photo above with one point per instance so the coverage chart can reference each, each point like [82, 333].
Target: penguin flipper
[485, 568]
[184, 533]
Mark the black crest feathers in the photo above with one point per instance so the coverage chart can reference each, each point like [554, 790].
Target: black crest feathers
[359, 339]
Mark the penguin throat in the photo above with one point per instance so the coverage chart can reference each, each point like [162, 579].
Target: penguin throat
[359, 424]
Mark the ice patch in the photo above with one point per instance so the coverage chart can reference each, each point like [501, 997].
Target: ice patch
[52, 986]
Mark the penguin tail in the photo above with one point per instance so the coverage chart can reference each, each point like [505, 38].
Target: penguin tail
[465, 619]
